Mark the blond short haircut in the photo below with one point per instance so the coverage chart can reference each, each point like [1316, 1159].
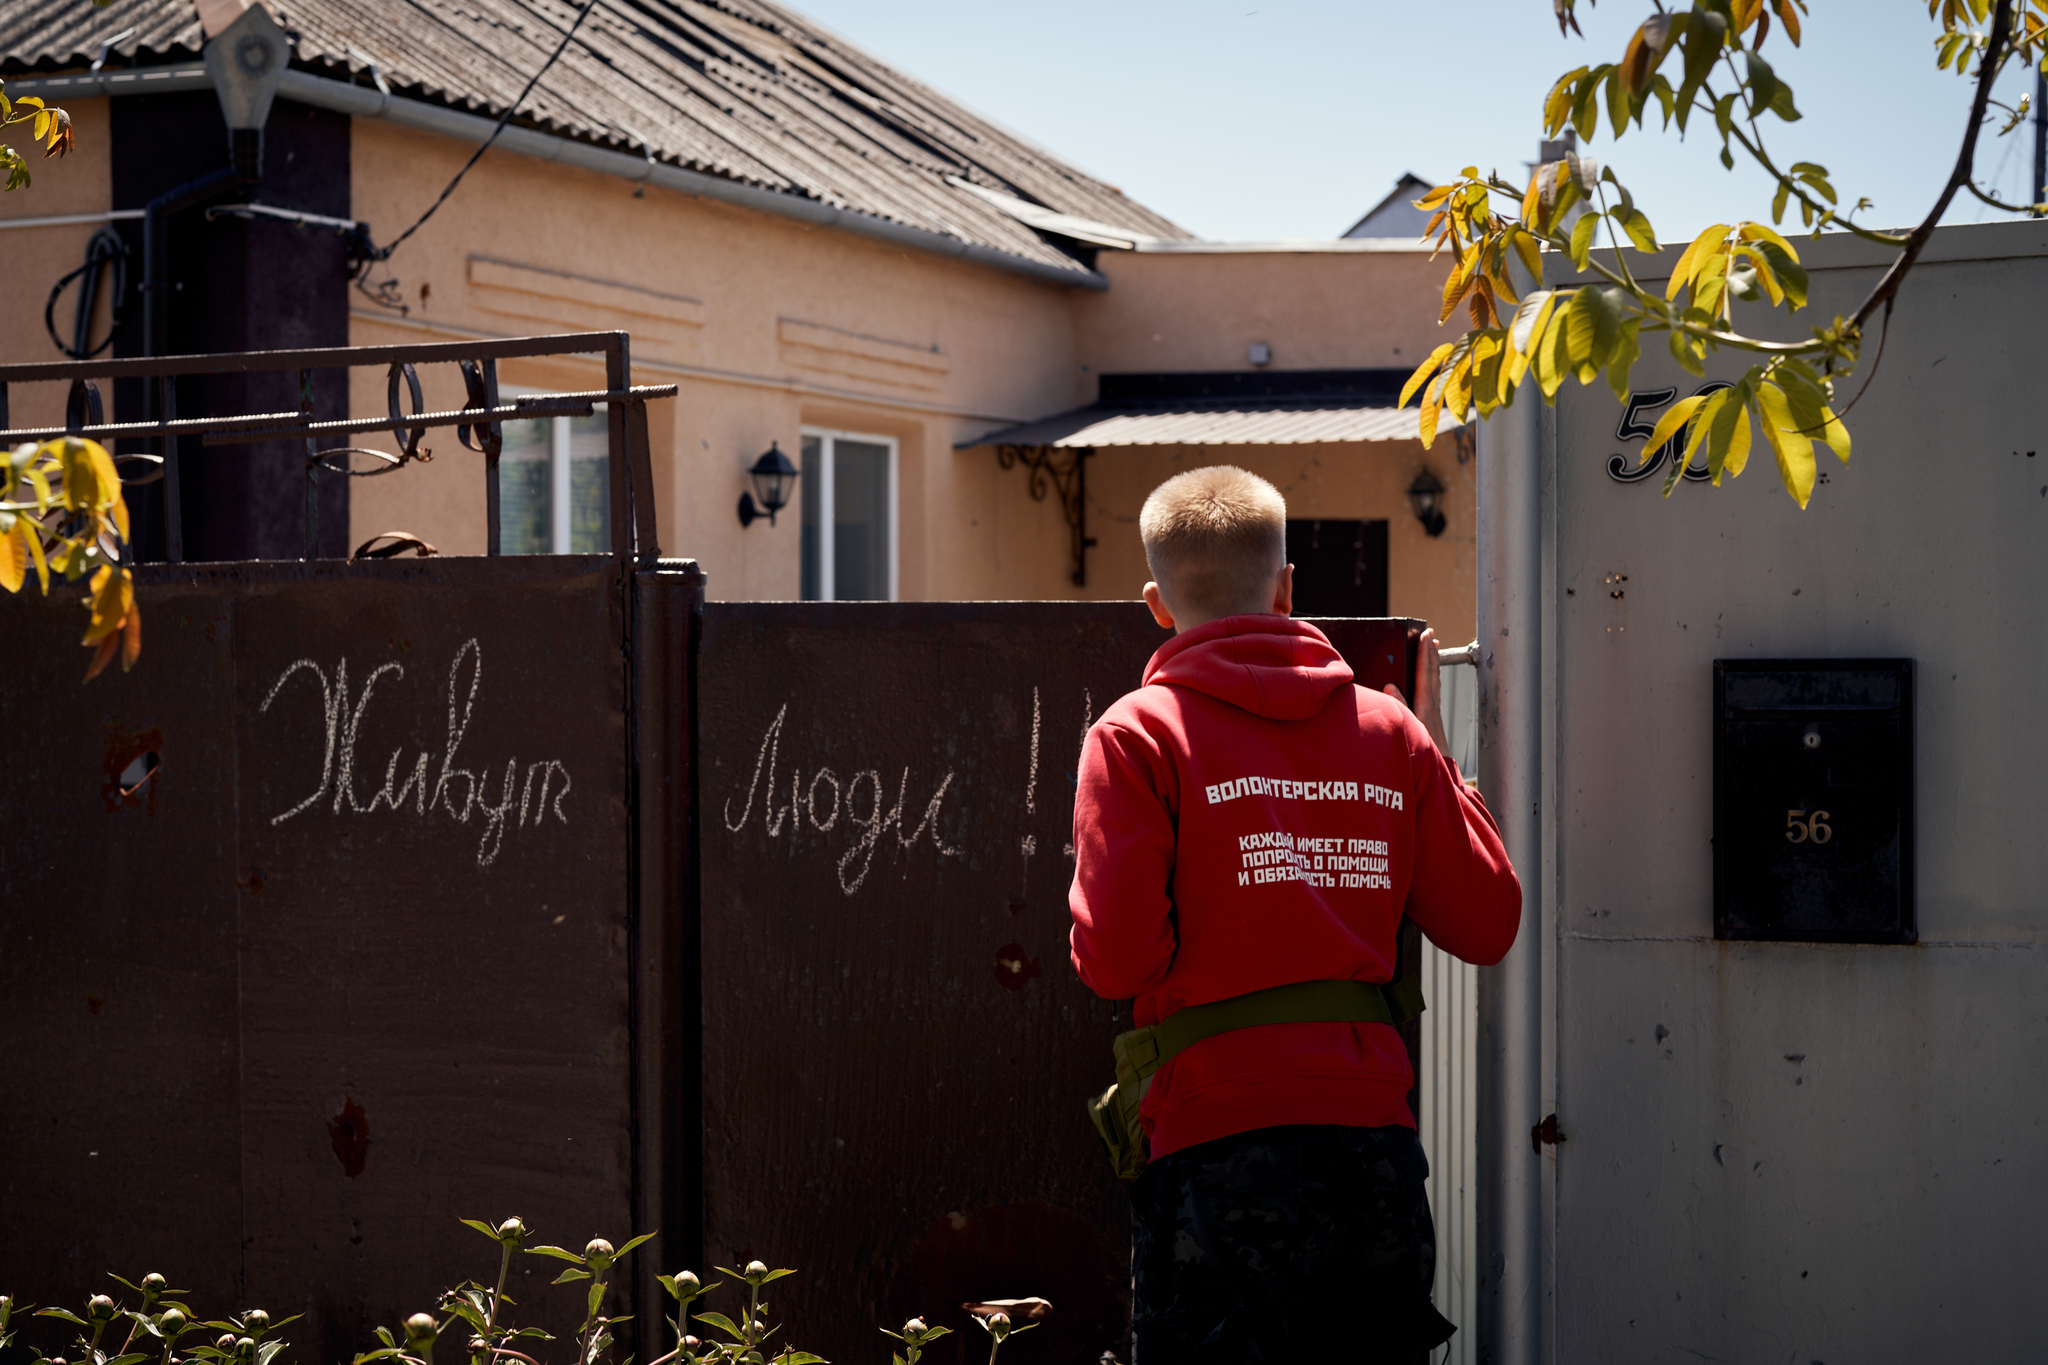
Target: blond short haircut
[1216, 540]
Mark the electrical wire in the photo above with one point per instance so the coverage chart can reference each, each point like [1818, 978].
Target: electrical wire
[375, 255]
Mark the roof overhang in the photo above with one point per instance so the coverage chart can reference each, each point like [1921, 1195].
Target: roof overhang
[1302, 407]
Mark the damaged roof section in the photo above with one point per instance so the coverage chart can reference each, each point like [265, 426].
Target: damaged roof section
[740, 89]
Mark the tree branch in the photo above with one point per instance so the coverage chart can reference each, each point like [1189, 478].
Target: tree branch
[1994, 58]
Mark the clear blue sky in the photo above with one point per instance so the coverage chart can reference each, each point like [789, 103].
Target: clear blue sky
[1260, 119]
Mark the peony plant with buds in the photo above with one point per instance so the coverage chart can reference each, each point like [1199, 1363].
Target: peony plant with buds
[161, 1328]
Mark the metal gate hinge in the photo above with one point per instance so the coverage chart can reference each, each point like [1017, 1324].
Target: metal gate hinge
[1545, 1132]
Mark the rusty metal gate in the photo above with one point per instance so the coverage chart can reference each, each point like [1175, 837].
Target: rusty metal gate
[389, 892]
[895, 1047]
[360, 905]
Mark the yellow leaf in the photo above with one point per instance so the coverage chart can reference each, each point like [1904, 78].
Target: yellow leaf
[1757, 232]
[1531, 254]
[113, 594]
[1457, 393]
[1794, 451]
[1834, 434]
[1671, 421]
[1427, 419]
[102, 656]
[1460, 280]
[1435, 197]
[131, 638]
[1737, 455]
[32, 536]
[1552, 361]
[105, 476]
[1681, 274]
[13, 559]
[1422, 372]
[1703, 422]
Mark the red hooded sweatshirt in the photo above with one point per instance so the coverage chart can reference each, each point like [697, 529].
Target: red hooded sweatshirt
[1251, 818]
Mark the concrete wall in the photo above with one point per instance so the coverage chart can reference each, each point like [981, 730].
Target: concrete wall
[1789, 1152]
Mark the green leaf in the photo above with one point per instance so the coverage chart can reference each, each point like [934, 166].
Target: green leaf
[1586, 104]
[1778, 201]
[772, 1276]
[485, 1228]
[595, 1296]
[1626, 353]
[620, 1254]
[570, 1276]
[557, 1252]
[799, 1358]
[1582, 239]
[1762, 82]
[1791, 275]
[60, 1313]
[723, 1324]
[1617, 102]
[1637, 225]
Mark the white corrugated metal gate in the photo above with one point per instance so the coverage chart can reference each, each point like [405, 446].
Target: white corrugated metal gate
[1799, 1151]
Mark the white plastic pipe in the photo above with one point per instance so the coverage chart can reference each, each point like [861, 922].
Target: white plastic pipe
[1510, 995]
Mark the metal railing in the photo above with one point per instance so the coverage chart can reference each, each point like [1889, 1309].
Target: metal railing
[477, 422]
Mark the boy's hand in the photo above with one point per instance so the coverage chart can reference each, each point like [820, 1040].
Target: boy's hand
[1429, 691]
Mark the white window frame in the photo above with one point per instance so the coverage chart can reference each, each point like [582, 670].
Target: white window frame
[827, 466]
[558, 472]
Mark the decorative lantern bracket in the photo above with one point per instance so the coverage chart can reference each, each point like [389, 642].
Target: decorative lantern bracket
[1070, 477]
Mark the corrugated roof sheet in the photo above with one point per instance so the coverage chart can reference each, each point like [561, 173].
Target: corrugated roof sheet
[1205, 424]
[743, 89]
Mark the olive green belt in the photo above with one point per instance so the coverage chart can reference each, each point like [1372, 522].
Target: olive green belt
[1141, 1052]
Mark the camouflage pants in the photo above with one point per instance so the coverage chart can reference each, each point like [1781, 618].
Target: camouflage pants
[1307, 1243]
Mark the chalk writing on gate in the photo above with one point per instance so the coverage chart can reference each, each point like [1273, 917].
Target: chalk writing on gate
[545, 781]
[824, 800]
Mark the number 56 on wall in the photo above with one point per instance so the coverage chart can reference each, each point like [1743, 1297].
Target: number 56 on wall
[1800, 827]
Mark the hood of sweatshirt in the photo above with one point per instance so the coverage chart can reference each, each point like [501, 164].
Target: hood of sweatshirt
[1272, 666]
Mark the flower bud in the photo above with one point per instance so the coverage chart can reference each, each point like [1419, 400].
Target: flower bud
[598, 1250]
[256, 1320]
[756, 1272]
[512, 1230]
[913, 1327]
[691, 1343]
[688, 1281]
[999, 1325]
[99, 1308]
[56, 1360]
[419, 1326]
[225, 1343]
[171, 1321]
[153, 1283]
[245, 1347]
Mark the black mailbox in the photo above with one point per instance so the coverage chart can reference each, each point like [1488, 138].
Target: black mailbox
[1813, 800]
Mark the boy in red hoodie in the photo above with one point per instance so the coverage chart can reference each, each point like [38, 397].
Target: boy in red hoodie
[1250, 818]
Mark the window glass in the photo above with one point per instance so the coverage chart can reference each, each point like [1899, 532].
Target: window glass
[860, 521]
[590, 487]
[525, 484]
[809, 490]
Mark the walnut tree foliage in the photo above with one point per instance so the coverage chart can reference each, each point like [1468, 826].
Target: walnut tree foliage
[1697, 67]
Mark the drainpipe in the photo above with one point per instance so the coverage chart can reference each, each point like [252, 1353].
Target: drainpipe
[1511, 994]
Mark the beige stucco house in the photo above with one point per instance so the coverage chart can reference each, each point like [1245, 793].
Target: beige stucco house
[821, 253]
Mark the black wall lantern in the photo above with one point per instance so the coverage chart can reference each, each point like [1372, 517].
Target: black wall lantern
[1424, 495]
[772, 476]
